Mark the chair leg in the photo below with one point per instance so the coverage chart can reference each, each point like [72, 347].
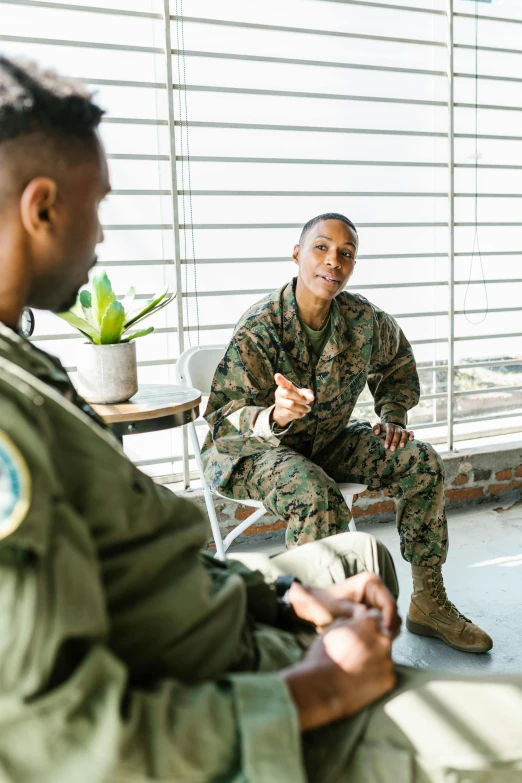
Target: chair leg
[209, 502]
[349, 502]
[243, 526]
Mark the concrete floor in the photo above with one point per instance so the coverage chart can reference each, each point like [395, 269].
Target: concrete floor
[483, 577]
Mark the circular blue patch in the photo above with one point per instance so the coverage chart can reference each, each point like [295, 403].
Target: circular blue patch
[14, 487]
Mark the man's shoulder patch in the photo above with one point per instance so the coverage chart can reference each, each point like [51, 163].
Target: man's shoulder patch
[15, 487]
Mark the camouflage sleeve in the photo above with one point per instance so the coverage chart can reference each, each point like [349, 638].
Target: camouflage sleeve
[393, 378]
[241, 401]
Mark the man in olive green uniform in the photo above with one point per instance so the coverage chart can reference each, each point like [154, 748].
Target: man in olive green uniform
[280, 423]
[126, 654]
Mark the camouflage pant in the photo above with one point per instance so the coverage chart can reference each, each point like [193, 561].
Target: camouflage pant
[304, 492]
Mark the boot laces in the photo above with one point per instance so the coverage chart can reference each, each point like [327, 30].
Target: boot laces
[441, 597]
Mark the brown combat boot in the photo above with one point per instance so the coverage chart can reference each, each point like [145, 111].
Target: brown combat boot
[431, 613]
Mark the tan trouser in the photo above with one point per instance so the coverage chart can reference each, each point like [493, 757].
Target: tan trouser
[435, 727]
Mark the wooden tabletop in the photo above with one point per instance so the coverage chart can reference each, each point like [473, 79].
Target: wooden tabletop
[151, 402]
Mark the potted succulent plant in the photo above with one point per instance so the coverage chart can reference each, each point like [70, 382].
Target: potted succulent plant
[107, 371]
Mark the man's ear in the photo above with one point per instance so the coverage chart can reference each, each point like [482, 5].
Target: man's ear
[295, 254]
[38, 206]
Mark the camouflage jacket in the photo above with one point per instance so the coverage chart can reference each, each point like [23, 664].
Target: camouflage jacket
[366, 345]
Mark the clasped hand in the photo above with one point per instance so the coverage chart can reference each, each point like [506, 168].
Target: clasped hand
[349, 666]
[322, 606]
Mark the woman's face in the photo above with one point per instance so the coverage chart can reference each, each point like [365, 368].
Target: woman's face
[326, 258]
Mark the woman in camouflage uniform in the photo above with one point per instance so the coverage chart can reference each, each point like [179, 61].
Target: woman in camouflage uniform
[280, 427]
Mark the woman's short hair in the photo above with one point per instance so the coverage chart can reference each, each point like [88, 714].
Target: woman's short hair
[327, 216]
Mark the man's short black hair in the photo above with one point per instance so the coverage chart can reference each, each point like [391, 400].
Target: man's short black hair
[34, 100]
[327, 216]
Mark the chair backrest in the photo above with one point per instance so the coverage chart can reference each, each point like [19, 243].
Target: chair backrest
[196, 366]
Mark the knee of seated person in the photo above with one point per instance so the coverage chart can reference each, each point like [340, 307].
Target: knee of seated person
[370, 554]
[316, 482]
[431, 456]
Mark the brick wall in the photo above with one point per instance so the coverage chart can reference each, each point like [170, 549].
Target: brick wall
[475, 476]
[472, 477]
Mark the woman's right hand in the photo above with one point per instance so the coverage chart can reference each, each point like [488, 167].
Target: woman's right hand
[290, 402]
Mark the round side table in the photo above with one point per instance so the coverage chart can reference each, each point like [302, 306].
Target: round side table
[155, 407]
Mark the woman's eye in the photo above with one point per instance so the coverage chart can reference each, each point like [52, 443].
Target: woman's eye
[320, 247]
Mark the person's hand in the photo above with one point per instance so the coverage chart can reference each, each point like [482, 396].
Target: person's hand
[290, 402]
[345, 670]
[321, 606]
[318, 605]
[395, 435]
[369, 589]
[362, 655]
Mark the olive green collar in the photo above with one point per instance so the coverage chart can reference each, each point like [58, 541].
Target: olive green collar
[294, 336]
[14, 346]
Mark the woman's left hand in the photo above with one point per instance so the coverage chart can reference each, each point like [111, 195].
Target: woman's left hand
[395, 435]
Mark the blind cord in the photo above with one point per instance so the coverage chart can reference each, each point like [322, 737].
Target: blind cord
[476, 243]
[184, 143]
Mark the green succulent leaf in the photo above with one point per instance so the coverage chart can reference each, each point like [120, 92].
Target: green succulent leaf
[84, 308]
[76, 309]
[112, 324]
[148, 307]
[102, 296]
[128, 300]
[82, 325]
[140, 333]
[151, 306]
[140, 318]
[85, 298]
[89, 316]
[136, 311]
[104, 320]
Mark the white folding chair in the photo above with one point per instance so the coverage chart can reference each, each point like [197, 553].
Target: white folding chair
[196, 367]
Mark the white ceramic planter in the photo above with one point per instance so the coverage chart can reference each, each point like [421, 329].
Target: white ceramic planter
[107, 373]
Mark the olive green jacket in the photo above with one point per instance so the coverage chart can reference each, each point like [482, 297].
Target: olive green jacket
[125, 653]
[366, 346]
